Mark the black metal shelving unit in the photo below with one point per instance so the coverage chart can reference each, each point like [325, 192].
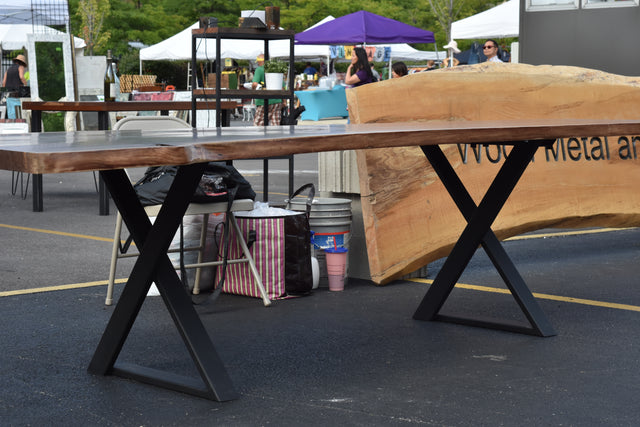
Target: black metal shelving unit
[241, 33]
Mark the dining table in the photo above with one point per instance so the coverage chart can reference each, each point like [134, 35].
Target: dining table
[111, 152]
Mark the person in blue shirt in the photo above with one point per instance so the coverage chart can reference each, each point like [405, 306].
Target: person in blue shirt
[310, 70]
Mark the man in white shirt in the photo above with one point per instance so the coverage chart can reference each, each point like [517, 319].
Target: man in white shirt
[490, 50]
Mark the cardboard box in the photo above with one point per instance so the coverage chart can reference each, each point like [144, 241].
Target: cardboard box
[229, 80]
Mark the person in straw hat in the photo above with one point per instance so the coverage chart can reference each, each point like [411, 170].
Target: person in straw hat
[14, 77]
[451, 61]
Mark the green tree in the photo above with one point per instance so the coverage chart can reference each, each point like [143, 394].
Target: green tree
[92, 14]
[438, 15]
[147, 23]
[227, 12]
[114, 23]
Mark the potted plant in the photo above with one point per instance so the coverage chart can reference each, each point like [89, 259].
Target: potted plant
[274, 71]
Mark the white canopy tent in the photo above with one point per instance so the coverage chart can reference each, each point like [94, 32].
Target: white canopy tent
[53, 12]
[280, 48]
[499, 22]
[14, 36]
[178, 47]
[23, 23]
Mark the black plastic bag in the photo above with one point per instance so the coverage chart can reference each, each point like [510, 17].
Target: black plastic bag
[217, 179]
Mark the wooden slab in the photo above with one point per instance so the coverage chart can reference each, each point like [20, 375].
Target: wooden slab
[409, 218]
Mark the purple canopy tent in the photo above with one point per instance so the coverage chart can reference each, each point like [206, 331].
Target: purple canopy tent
[364, 28]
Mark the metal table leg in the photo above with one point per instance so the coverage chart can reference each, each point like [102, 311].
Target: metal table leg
[153, 264]
[265, 176]
[36, 126]
[103, 194]
[38, 205]
[478, 232]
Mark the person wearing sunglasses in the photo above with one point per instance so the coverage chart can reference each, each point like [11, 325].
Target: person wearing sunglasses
[490, 50]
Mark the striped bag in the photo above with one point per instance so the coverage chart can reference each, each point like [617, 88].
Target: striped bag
[281, 251]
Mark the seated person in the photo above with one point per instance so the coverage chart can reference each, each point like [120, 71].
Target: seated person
[450, 62]
[310, 70]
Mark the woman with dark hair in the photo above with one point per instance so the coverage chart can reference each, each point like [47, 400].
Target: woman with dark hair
[399, 69]
[359, 71]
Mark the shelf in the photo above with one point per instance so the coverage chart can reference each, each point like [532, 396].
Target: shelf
[240, 33]
[232, 93]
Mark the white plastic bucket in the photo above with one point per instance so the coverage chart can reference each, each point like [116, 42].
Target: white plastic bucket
[330, 220]
[273, 81]
[320, 204]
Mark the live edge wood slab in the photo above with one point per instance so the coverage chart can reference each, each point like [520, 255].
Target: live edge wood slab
[56, 152]
[411, 214]
[586, 179]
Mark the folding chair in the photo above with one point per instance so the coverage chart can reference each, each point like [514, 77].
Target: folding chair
[248, 111]
[204, 209]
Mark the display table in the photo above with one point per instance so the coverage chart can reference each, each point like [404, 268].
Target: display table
[323, 103]
[112, 152]
[103, 109]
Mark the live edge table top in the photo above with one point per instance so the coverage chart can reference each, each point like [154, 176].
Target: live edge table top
[55, 152]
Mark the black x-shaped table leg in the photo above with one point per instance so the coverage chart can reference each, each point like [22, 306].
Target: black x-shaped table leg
[478, 232]
[153, 264]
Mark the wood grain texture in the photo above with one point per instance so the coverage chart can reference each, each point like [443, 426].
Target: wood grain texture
[54, 152]
[410, 220]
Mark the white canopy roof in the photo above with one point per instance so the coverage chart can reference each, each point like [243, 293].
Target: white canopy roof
[14, 36]
[398, 51]
[51, 12]
[498, 22]
[178, 47]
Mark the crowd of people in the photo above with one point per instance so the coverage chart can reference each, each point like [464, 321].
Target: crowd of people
[359, 72]
[356, 75]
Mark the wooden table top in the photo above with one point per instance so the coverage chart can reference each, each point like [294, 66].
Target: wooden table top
[123, 105]
[54, 152]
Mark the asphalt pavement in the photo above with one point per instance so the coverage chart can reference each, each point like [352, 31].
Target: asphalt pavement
[353, 358]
